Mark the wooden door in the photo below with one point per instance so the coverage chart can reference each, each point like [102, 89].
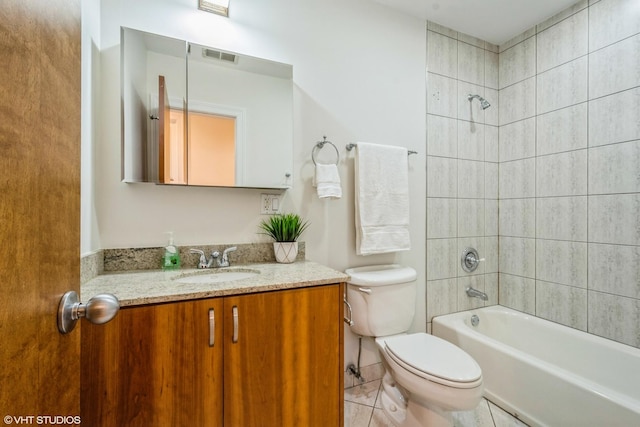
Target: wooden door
[286, 367]
[164, 132]
[154, 365]
[39, 205]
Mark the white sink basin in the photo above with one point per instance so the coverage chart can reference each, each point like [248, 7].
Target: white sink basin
[216, 277]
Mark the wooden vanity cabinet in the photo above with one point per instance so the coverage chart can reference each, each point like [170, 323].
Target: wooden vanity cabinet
[286, 367]
[277, 362]
[152, 366]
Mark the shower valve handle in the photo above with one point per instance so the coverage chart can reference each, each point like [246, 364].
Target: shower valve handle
[470, 260]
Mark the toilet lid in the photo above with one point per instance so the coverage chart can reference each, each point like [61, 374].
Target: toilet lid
[435, 359]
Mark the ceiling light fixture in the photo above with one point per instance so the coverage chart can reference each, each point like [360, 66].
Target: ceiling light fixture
[220, 7]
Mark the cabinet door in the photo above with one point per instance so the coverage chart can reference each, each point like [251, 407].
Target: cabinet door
[285, 368]
[154, 366]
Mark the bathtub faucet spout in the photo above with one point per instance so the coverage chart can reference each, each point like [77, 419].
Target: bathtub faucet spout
[476, 293]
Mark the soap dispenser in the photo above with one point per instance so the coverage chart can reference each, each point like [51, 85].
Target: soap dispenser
[171, 258]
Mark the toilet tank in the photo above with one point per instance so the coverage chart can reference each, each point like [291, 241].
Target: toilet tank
[382, 299]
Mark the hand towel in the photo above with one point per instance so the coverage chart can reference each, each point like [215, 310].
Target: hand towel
[327, 181]
[381, 199]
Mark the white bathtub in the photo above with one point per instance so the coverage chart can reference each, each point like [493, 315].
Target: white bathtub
[547, 374]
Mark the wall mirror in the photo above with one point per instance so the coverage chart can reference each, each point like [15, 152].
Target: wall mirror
[197, 115]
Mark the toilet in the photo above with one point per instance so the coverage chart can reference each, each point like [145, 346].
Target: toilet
[426, 378]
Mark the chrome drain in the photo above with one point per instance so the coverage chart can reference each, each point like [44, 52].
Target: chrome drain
[475, 320]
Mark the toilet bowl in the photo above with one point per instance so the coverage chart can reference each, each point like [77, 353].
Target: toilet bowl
[433, 376]
[426, 377]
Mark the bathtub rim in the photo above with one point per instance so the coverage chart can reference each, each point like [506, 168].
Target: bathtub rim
[459, 322]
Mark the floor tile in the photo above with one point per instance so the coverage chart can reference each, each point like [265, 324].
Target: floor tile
[379, 419]
[502, 418]
[364, 394]
[479, 417]
[362, 408]
[356, 415]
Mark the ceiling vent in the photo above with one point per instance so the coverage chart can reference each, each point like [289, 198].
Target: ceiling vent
[219, 55]
[221, 7]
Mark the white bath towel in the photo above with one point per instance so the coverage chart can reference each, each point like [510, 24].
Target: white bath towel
[382, 199]
[327, 181]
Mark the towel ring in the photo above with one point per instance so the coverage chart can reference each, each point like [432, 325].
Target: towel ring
[319, 146]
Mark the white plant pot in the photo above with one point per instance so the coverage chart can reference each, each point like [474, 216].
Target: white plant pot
[286, 252]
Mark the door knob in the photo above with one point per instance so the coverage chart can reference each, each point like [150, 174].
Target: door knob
[99, 309]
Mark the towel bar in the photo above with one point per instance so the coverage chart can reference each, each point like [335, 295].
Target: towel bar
[319, 146]
[352, 146]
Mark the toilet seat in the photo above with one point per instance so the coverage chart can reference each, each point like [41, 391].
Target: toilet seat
[434, 359]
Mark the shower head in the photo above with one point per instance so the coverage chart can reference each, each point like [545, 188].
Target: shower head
[483, 102]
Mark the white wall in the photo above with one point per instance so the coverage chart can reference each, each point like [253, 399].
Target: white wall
[89, 239]
[359, 74]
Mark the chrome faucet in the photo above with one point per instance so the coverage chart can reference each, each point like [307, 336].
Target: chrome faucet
[224, 262]
[202, 262]
[474, 293]
[215, 258]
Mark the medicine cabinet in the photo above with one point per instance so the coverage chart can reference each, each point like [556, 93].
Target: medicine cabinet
[198, 115]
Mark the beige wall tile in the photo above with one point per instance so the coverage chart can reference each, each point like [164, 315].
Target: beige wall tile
[562, 262]
[615, 317]
[614, 219]
[518, 256]
[518, 101]
[562, 130]
[614, 118]
[562, 218]
[562, 304]
[517, 63]
[563, 174]
[518, 140]
[518, 292]
[517, 217]
[614, 269]
[563, 42]
[442, 136]
[442, 54]
[517, 179]
[615, 168]
[615, 68]
[611, 21]
[562, 86]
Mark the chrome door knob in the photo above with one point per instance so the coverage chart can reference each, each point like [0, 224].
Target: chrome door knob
[99, 309]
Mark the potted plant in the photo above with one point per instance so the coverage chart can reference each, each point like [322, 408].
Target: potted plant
[285, 230]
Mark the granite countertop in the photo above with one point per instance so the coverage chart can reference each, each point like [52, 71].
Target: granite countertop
[156, 286]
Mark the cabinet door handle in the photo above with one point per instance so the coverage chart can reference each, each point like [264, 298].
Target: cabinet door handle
[234, 310]
[212, 327]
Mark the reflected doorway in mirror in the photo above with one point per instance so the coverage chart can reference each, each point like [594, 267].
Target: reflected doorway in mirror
[212, 150]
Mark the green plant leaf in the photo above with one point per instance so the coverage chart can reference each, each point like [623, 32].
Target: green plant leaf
[284, 227]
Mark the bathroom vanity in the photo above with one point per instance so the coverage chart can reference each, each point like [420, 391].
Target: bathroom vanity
[266, 350]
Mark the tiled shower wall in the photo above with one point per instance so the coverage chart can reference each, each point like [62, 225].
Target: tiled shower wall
[565, 109]
[462, 169]
[569, 185]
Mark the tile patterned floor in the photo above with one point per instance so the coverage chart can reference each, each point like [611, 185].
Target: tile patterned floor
[362, 409]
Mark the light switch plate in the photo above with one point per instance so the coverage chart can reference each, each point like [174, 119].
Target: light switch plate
[269, 204]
